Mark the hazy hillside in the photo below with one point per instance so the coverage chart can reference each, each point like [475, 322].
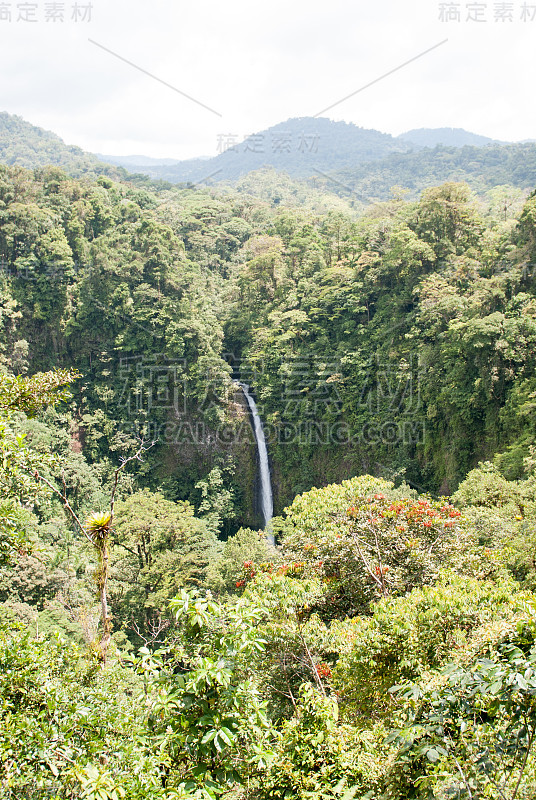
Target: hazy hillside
[300, 147]
[482, 168]
[452, 137]
[130, 162]
[25, 145]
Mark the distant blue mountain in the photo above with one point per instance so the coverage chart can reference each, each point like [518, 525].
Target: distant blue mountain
[300, 147]
[450, 137]
[128, 162]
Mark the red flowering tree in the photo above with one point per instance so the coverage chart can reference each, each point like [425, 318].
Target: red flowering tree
[366, 539]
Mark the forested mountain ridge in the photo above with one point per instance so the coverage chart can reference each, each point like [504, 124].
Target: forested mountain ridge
[26, 145]
[420, 137]
[300, 147]
[483, 168]
[361, 166]
[297, 146]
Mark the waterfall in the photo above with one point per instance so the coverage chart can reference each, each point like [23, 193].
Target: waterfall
[267, 504]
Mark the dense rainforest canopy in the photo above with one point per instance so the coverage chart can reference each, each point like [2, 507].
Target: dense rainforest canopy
[153, 643]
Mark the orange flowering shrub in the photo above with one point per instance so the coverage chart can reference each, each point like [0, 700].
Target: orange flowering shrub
[294, 569]
[323, 671]
[367, 539]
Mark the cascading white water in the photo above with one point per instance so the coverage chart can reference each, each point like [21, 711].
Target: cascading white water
[267, 503]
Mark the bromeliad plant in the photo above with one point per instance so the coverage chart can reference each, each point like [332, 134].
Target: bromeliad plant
[97, 529]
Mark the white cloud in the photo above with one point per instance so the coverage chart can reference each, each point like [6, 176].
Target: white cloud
[259, 64]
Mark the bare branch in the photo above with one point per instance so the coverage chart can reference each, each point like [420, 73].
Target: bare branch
[312, 663]
[64, 500]
[464, 779]
[136, 457]
[524, 764]
[155, 631]
[374, 577]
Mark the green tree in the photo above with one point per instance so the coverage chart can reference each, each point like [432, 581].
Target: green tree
[208, 714]
[159, 548]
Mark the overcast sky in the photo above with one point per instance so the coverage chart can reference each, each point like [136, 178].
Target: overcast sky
[259, 63]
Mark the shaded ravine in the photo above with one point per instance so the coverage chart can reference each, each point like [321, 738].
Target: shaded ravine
[267, 503]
